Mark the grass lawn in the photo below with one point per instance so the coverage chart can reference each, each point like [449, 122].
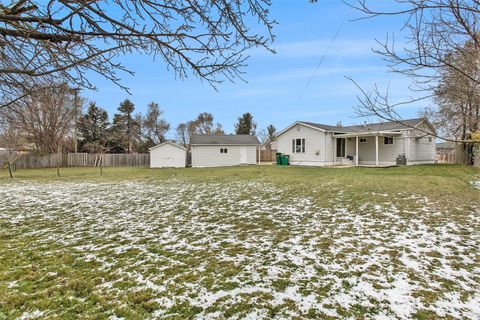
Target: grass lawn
[255, 242]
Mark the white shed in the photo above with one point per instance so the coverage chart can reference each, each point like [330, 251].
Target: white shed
[168, 154]
[218, 150]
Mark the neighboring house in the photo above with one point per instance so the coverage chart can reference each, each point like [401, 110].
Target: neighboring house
[168, 154]
[219, 150]
[369, 144]
[446, 152]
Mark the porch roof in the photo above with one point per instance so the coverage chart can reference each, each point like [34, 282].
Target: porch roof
[368, 134]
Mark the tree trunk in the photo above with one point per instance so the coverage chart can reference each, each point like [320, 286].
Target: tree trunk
[10, 169]
[58, 166]
[101, 165]
[476, 156]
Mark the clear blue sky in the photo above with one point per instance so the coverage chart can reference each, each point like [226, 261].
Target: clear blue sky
[276, 91]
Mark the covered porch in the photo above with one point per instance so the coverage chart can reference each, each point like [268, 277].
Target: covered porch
[369, 149]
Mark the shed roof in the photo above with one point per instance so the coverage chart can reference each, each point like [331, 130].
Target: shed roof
[224, 139]
[167, 142]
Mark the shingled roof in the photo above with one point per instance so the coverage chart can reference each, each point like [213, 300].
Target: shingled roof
[379, 126]
[224, 139]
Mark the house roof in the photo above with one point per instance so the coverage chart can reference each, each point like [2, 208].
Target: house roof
[167, 142]
[224, 139]
[369, 127]
[384, 126]
[324, 127]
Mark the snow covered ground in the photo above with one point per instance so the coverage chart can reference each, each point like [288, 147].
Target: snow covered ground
[249, 250]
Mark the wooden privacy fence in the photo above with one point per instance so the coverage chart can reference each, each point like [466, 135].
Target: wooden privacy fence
[29, 161]
[446, 157]
[267, 155]
[109, 160]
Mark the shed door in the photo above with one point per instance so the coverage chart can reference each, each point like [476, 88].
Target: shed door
[243, 155]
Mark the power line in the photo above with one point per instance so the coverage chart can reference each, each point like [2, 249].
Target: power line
[337, 32]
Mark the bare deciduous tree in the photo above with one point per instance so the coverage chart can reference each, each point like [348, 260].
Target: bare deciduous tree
[271, 132]
[49, 40]
[262, 135]
[457, 98]
[182, 135]
[45, 118]
[154, 127]
[12, 140]
[435, 29]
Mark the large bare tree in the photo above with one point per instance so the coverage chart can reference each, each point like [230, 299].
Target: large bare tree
[12, 140]
[42, 41]
[457, 100]
[45, 118]
[184, 132]
[154, 127]
[433, 31]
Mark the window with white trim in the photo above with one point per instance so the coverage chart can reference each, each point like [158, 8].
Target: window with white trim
[387, 140]
[298, 145]
[223, 150]
[363, 140]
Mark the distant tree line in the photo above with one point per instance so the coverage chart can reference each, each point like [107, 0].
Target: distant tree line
[52, 121]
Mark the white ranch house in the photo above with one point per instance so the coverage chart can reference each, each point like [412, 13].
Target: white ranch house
[373, 144]
[168, 155]
[218, 150]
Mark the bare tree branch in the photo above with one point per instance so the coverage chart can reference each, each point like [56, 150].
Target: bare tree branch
[63, 40]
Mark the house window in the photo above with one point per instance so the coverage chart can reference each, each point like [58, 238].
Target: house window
[430, 139]
[298, 145]
[387, 140]
[341, 147]
[223, 150]
[363, 140]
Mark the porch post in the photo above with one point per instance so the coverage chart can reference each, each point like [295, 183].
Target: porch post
[334, 150]
[356, 151]
[346, 144]
[376, 151]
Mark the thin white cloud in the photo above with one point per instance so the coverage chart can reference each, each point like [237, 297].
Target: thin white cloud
[306, 73]
[318, 48]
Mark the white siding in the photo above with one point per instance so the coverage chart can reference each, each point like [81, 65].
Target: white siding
[210, 156]
[318, 146]
[387, 153]
[167, 155]
[421, 150]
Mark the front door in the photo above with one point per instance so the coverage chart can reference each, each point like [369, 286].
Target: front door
[243, 155]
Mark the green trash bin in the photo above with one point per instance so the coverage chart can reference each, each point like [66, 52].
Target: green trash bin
[285, 159]
[278, 156]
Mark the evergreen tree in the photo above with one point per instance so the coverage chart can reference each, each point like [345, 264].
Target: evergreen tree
[117, 140]
[126, 124]
[93, 127]
[245, 124]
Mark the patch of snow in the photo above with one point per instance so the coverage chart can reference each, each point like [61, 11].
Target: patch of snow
[31, 315]
[475, 184]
